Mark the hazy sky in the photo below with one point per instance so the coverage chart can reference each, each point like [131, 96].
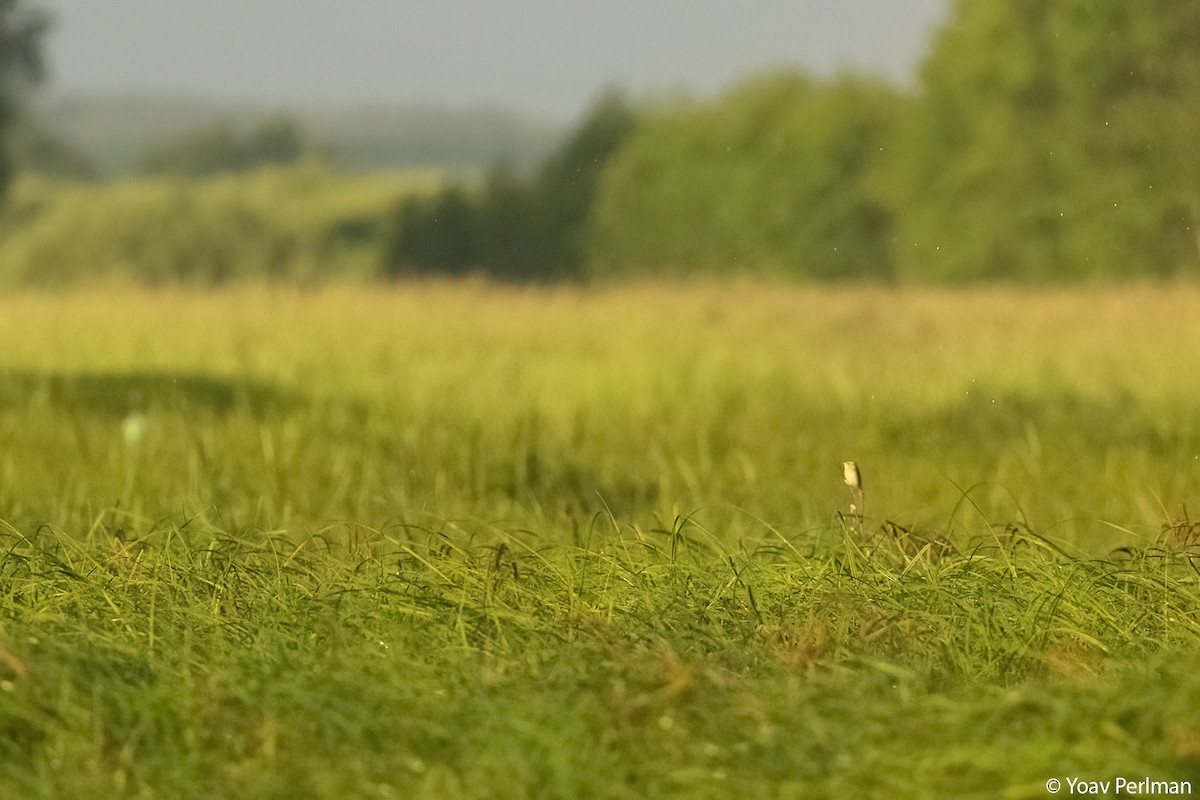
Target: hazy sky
[547, 57]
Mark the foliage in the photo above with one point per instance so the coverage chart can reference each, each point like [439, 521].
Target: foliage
[454, 540]
[37, 150]
[513, 228]
[774, 177]
[1054, 141]
[438, 234]
[21, 31]
[301, 222]
[276, 140]
[116, 131]
[567, 183]
[1045, 142]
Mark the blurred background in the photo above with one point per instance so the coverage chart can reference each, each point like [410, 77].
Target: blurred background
[918, 141]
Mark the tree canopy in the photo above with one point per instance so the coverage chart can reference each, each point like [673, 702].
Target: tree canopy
[1053, 141]
[773, 177]
[21, 67]
[516, 228]
[1043, 141]
[276, 140]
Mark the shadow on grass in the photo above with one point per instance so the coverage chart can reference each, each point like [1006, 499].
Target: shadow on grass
[1059, 416]
[122, 393]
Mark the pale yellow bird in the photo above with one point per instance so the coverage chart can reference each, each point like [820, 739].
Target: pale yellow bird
[853, 478]
[852, 475]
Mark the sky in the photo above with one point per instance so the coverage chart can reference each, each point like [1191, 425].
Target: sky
[547, 58]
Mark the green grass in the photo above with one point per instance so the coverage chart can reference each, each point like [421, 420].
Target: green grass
[463, 541]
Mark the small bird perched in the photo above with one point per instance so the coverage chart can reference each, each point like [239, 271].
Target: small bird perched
[852, 475]
[853, 478]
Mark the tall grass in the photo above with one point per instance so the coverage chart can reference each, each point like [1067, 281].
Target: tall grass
[455, 540]
[1071, 413]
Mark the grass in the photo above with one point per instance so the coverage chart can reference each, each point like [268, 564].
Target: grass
[464, 541]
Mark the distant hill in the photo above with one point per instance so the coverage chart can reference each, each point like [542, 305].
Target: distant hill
[115, 131]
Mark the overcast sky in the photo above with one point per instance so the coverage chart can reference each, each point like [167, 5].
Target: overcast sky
[545, 57]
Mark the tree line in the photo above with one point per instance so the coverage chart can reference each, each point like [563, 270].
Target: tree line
[1043, 141]
[1040, 142]
[532, 228]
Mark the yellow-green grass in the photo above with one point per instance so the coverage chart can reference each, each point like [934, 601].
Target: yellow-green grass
[1074, 413]
[461, 540]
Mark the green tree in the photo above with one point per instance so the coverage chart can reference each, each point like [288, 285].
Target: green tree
[437, 235]
[21, 67]
[514, 228]
[566, 185]
[1053, 141]
[276, 140]
[776, 176]
[512, 236]
[204, 152]
[36, 149]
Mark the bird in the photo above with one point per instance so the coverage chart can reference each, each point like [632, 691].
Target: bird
[852, 475]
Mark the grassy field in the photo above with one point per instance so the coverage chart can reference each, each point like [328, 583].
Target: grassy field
[465, 541]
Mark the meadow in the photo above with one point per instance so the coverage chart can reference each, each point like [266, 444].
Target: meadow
[460, 540]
